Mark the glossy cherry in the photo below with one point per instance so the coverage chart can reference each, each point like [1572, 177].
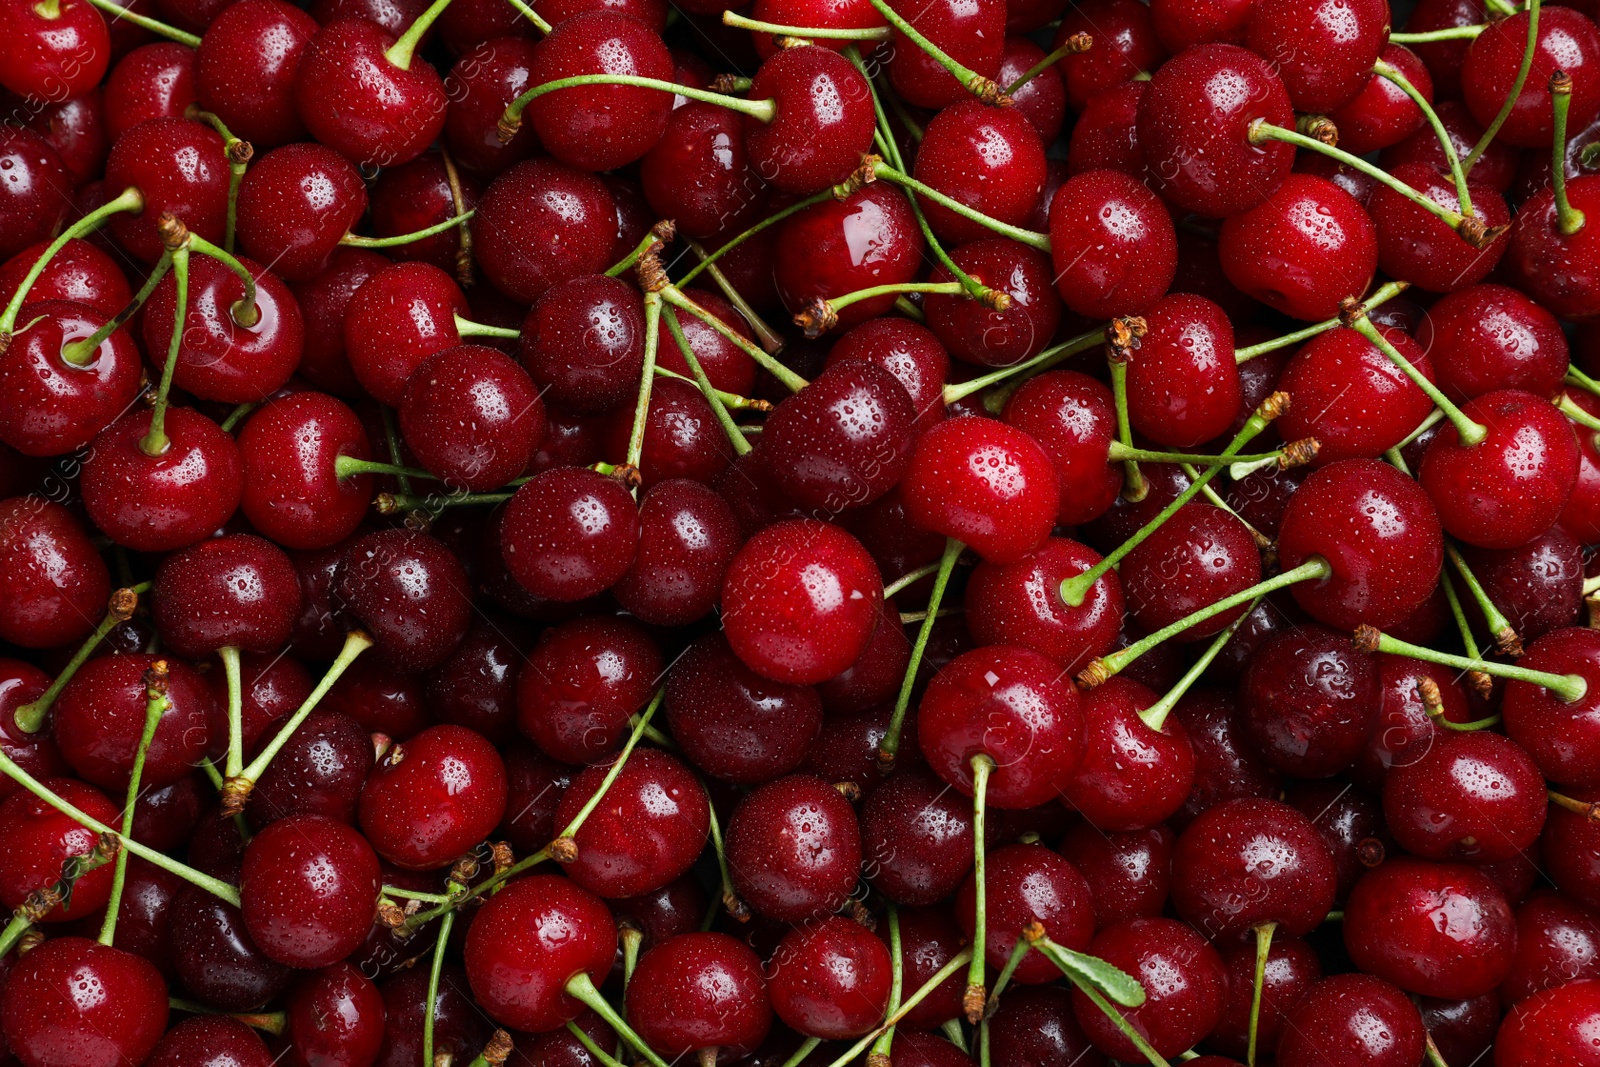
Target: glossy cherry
[292, 493]
[60, 50]
[1129, 874]
[830, 979]
[58, 583]
[75, 1001]
[1567, 41]
[1417, 246]
[540, 223]
[583, 342]
[214, 955]
[1550, 265]
[1323, 50]
[794, 849]
[822, 122]
[1352, 1019]
[146, 157]
[700, 991]
[160, 503]
[433, 798]
[1027, 884]
[1184, 981]
[1113, 244]
[1132, 775]
[972, 34]
[319, 771]
[984, 483]
[1020, 604]
[295, 204]
[1351, 397]
[309, 886]
[1382, 114]
[1292, 967]
[1073, 418]
[1308, 698]
[842, 441]
[1492, 337]
[479, 87]
[237, 590]
[569, 533]
[1550, 1026]
[580, 684]
[1250, 861]
[868, 239]
[42, 839]
[1560, 736]
[648, 830]
[472, 417]
[687, 537]
[1125, 44]
[355, 99]
[989, 159]
[210, 1041]
[975, 334]
[1476, 797]
[410, 593]
[917, 838]
[100, 715]
[152, 81]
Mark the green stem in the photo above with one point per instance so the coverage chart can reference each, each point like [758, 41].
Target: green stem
[532, 16]
[818, 33]
[400, 503]
[1582, 381]
[1074, 45]
[908, 579]
[982, 766]
[1019, 950]
[81, 352]
[405, 46]
[1470, 432]
[351, 240]
[130, 200]
[730, 896]
[1117, 1018]
[350, 466]
[885, 1042]
[239, 153]
[1431, 1050]
[30, 717]
[244, 311]
[605, 1058]
[806, 1048]
[771, 220]
[1516, 91]
[629, 261]
[1453, 33]
[433, 985]
[1500, 628]
[155, 706]
[580, 988]
[19, 925]
[413, 894]
[1395, 75]
[821, 316]
[1218, 502]
[1120, 452]
[732, 401]
[1034, 240]
[740, 444]
[1266, 131]
[762, 110]
[889, 747]
[770, 341]
[791, 381]
[391, 436]
[161, 29]
[155, 440]
[238, 415]
[1568, 688]
[1569, 220]
[938, 978]
[1155, 716]
[1134, 487]
[973, 82]
[355, 643]
[647, 377]
[1027, 368]
[229, 655]
[1468, 642]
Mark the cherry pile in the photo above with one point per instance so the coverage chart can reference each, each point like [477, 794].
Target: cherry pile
[603, 532]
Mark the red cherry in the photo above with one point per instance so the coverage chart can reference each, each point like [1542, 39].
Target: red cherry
[1475, 797]
[1308, 696]
[1035, 1024]
[1113, 244]
[687, 538]
[1349, 1020]
[292, 492]
[580, 685]
[1549, 1027]
[295, 204]
[1496, 168]
[482, 84]
[830, 979]
[971, 34]
[1402, 733]
[823, 119]
[1106, 135]
[1042, 99]
[700, 991]
[100, 715]
[1292, 967]
[1028, 884]
[1227, 766]
[309, 886]
[1439, 929]
[583, 342]
[433, 798]
[1125, 44]
[794, 849]
[1561, 737]
[649, 829]
[410, 593]
[540, 223]
[236, 590]
[1351, 397]
[830, 14]
[1250, 861]
[1073, 417]
[210, 1041]
[160, 503]
[917, 836]
[1183, 384]
[398, 318]
[975, 334]
[472, 417]
[152, 81]
[990, 159]
[53, 52]
[57, 585]
[1129, 874]
[1184, 981]
[34, 196]
[336, 1016]
[41, 839]
[870, 238]
[35, 752]
[362, 104]
[1382, 114]
[1197, 557]
[1554, 268]
[1492, 337]
[1444, 58]
[1419, 247]
[569, 533]
[1558, 941]
[80, 271]
[319, 771]
[1322, 49]
[146, 157]
[75, 1001]
[699, 175]
[245, 69]
[1567, 41]
[1020, 604]
[1133, 775]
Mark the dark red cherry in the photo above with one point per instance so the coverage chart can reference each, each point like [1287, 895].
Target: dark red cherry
[1250, 861]
[917, 837]
[152, 81]
[1035, 1025]
[80, 271]
[1182, 23]
[292, 493]
[41, 839]
[1308, 697]
[1073, 418]
[35, 195]
[410, 593]
[1555, 268]
[830, 979]
[581, 683]
[57, 584]
[985, 483]
[583, 342]
[237, 590]
[1129, 874]
[1461, 1029]
[1417, 246]
[194, 190]
[1569, 853]
[842, 441]
[1042, 99]
[870, 238]
[75, 128]
[1132, 775]
[398, 318]
[682, 437]
[725, 363]
[418, 195]
[1020, 604]
[929, 939]
[1402, 733]
[215, 958]
[972, 34]
[1561, 737]
[1444, 58]
[54, 52]
[1200, 555]
[1185, 987]
[100, 715]
[700, 991]
[365, 106]
[1377, 531]
[794, 849]
[1027, 884]
[1183, 386]
[1510, 487]
[733, 723]
[1194, 127]
[1125, 44]
[909, 351]
[319, 771]
[1227, 766]
[975, 334]
[1567, 42]
[210, 1041]
[540, 223]
[460, 1027]
[528, 942]
[1106, 135]
[1292, 967]
[323, 300]
[1351, 397]
[1475, 797]
[309, 886]
[1492, 337]
[1322, 49]
[1012, 705]
[336, 1017]
[295, 204]
[919, 1048]
[434, 797]
[1352, 1020]
[699, 173]
[1382, 114]
[1113, 244]
[649, 829]
[822, 123]
[472, 417]
[1304, 249]
[482, 84]
[1550, 1026]
[75, 1001]
[35, 752]
[534, 784]
[1558, 941]
[989, 159]
[570, 533]
[687, 538]
[1438, 929]
[1496, 168]
[245, 69]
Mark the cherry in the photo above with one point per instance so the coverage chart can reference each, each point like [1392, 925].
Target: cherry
[58, 584]
[1351, 1019]
[1129, 874]
[822, 119]
[56, 403]
[472, 417]
[1183, 387]
[1444, 58]
[245, 68]
[1113, 244]
[1019, 604]
[975, 334]
[1227, 766]
[20, 684]
[868, 239]
[1322, 50]
[540, 223]
[418, 196]
[410, 593]
[1377, 531]
[484, 81]
[196, 192]
[682, 437]
[534, 784]
[687, 538]
[399, 317]
[1194, 126]
[581, 683]
[1567, 41]
[79, 271]
[583, 342]
[916, 1048]
[1549, 1027]
[53, 52]
[1291, 968]
[1135, 772]
[990, 159]
[700, 991]
[1558, 941]
[1490, 337]
[727, 366]
[460, 1028]
[1558, 735]
[1351, 397]
[1496, 167]
[1461, 1029]
[100, 715]
[985, 483]
[1547, 262]
[319, 771]
[929, 939]
[1073, 417]
[292, 492]
[1249, 861]
[41, 841]
[1184, 981]
[909, 351]
[830, 979]
[432, 798]
[1536, 585]
[648, 830]
[380, 700]
[309, 885]
[1042, 99]
[72, 1000]
[1438, 929]
[794, 849]
[1419, 247]
[842, 441]
[1382, 114]
[335, 1016]
[1402, 732]
[152, 81]
[213, 954]
[1035, 1025]
[33, 199]
[917, 839]
[971, 34]
[210, 1041]
[569, 533]
[237, 590]
[1308, 698]
[295, 204]
[358, 90]
[1125, 44]
[529, 942]
[1028, 884]
[1473, 796]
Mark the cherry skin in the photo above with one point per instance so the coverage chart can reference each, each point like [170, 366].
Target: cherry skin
[336, 1016]
[726, 365]
[309, 886]
[1012, 705]
[1349, 1020]
[917, 838]
[1382, 114]
[1308, 698]
[319, 771]
[1073, 418]
[54, 53]
[682, 437]
[540, 223]
[1250, 861]
[35, 752]
[1561, 737]
[1323, 51]
[822, 125]
[989, 159]
[528, 942]
[100, 715]
[1215, 557]
[699, 174]
[197, 192]
[1552, 267]
[1106, 135]
[582, 682]
[245, 67]
[80, 271]
[355, 100]
[213, 954]
[1042, 99]
[870, 238]
[417, 196]
[1383, 569]
[1292, 967]
[583, 342]
[1129, 874]
[160, 503]
[1027, 884]
[1307, 247]
[433, 798]
[398, 318]
[1401, 733]
[1476, 797]
[33, 200]
[929, 939]
[237, 590]
[648, 830]
[52, 405]
[909, 351]
[472, 417]
[1125, 44]
[479, 87]
[291, 491]
[975, 334]
[1492, 337]
[1567, 41]
[1183, 388]
[1020, 604]
[1552, 1026]
[410, 593]
[687, 538]
[1438, 929]
[794, 849]
[1132, 776]
[295, 204]
[1558, 941]
[1194, 124]
[42, 839]
[58, 584]
[700, 991]
[210, 1041]
[1186, 987]
[1113, 244]
[1569, 848]
[1419, 247]
[1035, 1025]
[830, 979]
[734, 724]
[972, 34]
[569, 533]
[1227, 766]
[1351, 397]
[152, 81]
[75, 1001]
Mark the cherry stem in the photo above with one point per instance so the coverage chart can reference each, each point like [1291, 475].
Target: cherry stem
[20, 924]
[1452, 33]
[349, 466]
[771, 342]
[229, 655]
[1262, 130]
[468, 328]
[580, 988]
[1470, 432]
[433, 984]
[79, 353]
[1262, 540]
[1020, 372]
[1155, 716]
[1381, 295]
[938, 978]
[889, 747]
[268, 1022]
[214, 886]
[791, 381]
[1019, 950]
[351, 240]
[740, 444]
[982, 766]
[531, 15]
[30, 717]
[883, 1045]
[1435, 1057]
[1588, 809]
[237, 788]
[1478, 679]
[131, 200]
[244, 311]
[647, 377]
[413, 894]
[1119, 452]
[983, 88]
[239, 153]
[238, 415]
[1500, 628]
[629, 261]
[156, 705]
[1395, 75]
[883, 135]
[391, 436]
[1582, 381]
[908, 579]
[730, 897]
[155, 441]
[1077, 44]
[1569, 220]
[632, 939]
[1134, 487]
[605, 1058]
[800, 1054]
[433, 503]
[1105, 667]
[1568, 688]
[1263, 934]
[874, 167]
[511, 121]
[733, 401]
[1076, 588]
[806, 33]
[821, 315]
[405, 45]
[1516, 91]
[771, 220]
[161, 29]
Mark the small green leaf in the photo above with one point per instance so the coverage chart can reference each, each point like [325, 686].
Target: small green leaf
[1112, 981]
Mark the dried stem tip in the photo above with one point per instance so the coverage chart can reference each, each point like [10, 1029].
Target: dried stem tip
[1366, 638]
[1318, 128]
[988, 91]
[122, 604]
[1298, 453]
[865, 174]
[173, 233]
[235, 793]
[972, 1002]
[1094, 675]
[498, 1050]
[1274, 406]
[816, 318]
[563, 850]
[1507, 641]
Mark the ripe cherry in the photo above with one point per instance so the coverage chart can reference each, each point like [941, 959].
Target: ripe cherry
[1566, 42]
[830, 979]
[1250, 861]
[1476, 797]
[1292, 967]
[1106, 135]
[336, 1016]
[295, 204]
[147, 158]
[700, 991]
[648, 830]
[309, 886]
[472, 417]
[1549, 1026]
[1352, 1019]
[152, 81]
[58, 583]
[583, 342]
[43, 838]
[1185, 987]
[79, 271]
[1035, 1025]
[1042, 99]
[1125, 44]
[1129, 874]
[319, 771]
[1322, 50]
[411, 594]
[292, 491]
[1351, 397]
[245, 68]
[479, 87]
[1490, 337]
[822, 118]
[917, 837]
[1419, 247]
[1551, 264]
[1308, 697]
[971, 34]
[100, 715]
[540, 223]
[1113, 244]
[976, 334]
[1561, 736]
[984, 483]
[210, 1041]
[1558, 941]
[687, 537]
[1073, 417]
[359, 91]
[73, 1000]
[1382, 114]
[868, 239]
[581, 683]
[1028, 884]
[569, 533]
[433, 798]
[990, 159]
[237, 590]
[1183, 384]
[1020, 604]
[794, 849]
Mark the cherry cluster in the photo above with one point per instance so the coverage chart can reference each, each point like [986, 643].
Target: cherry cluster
[607, 532]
